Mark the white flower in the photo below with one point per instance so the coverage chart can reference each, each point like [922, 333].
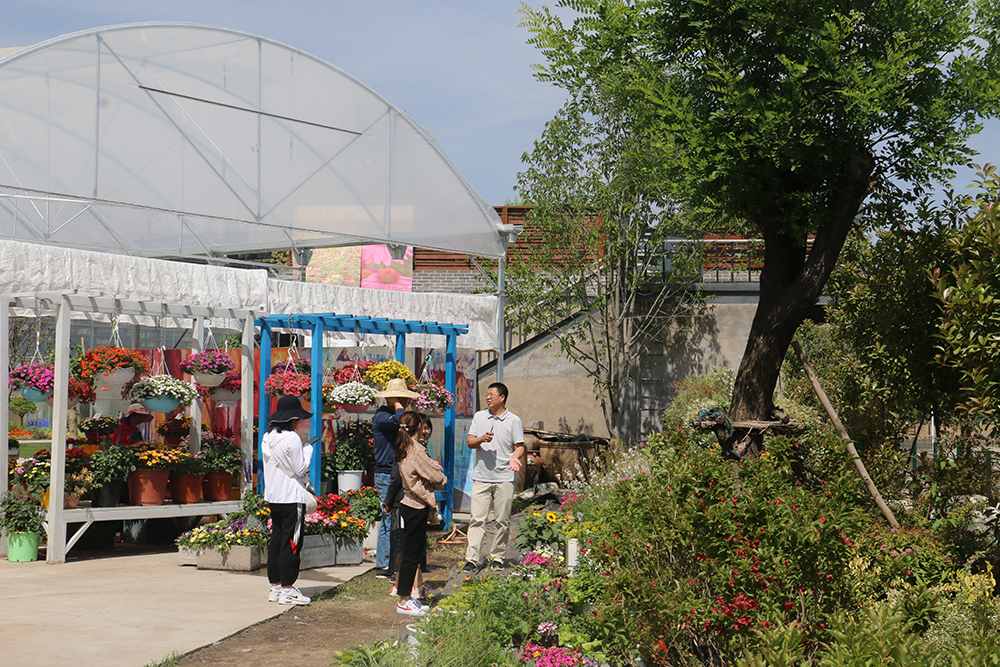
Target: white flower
[163, 385]
[351, 393]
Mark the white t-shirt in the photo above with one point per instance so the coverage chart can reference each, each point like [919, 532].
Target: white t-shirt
[287, 449]
[493, 458]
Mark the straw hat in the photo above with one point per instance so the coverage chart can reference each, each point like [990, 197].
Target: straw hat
[396, 388]
[139, 409]
[289, 408]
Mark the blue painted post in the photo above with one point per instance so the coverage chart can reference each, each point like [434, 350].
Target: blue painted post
[448, 462]
[316, 403]
[264, 404]
[401, 348]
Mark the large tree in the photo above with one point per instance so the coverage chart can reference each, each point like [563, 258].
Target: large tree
[788, 115]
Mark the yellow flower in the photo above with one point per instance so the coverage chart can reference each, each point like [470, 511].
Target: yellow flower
[552, 517]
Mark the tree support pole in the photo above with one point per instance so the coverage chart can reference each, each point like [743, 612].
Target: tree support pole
[858, 463]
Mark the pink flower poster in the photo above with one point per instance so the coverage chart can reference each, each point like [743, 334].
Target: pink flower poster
[380, 271]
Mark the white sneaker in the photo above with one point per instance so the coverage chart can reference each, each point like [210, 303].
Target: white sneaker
[292, 596]
[411, 607]
[414, 592]
[274, 594]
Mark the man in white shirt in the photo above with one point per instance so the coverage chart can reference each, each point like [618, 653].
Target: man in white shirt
[497, 435]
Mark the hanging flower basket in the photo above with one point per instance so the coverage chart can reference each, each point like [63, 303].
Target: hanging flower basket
[80, 391]
[209, 368]
[353, 370]
[354, 397]
[34, 395]
[288, 384]
[109, 366]
[163, 387]
[225, 398]
[434, 398]
[35, 381]
[379, 374]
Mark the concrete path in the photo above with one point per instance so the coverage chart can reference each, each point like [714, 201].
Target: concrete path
[130, 610]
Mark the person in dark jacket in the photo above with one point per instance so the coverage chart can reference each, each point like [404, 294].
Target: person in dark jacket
[385, 428]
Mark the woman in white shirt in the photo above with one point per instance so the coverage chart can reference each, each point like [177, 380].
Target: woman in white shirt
[286, 466]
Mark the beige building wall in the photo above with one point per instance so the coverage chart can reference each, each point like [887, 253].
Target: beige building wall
[550, 389]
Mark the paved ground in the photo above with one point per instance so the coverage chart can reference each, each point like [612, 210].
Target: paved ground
[129, 610]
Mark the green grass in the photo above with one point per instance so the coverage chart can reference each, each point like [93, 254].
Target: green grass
[169, 661]
[365, 588]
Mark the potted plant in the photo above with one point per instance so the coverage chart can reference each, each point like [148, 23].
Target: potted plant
[80, 391]
[110, 465]
[228, 392]
[35, 381]
[163, 393]
[147, 483]
[222, 459]
[354, 397]
[76, 485]
[32, 475]
[333, 534]
[379, 374]
[209, 367]
[292, 365]
[352, 370]
[97, 427]
[23, 521]
[111, 366]
[174, 429]
[185, 478]
[288, 383]
[353, 450]
[434, 398]
[237, 542]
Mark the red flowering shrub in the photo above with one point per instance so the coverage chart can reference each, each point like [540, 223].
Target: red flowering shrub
[699, 552]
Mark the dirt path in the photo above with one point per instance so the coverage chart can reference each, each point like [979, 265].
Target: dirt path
[360, 612]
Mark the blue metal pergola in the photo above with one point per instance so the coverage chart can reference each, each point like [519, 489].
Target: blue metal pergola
[318, 324]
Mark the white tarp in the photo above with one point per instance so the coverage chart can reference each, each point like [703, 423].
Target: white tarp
[29, 270]
[167, 139]
[479, 312]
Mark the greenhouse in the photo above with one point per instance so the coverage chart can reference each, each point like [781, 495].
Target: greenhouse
[125, 146]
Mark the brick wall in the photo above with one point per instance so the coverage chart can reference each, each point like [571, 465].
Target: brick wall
[455, 282]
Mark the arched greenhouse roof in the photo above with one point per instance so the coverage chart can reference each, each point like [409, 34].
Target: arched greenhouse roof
[170, 139]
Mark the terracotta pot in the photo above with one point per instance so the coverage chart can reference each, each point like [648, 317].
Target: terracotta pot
[216, 486]
[172, 440]
[354, 409]
[185, 489]
[71, 500]
[147, 487]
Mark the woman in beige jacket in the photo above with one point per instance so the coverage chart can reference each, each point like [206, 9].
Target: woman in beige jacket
[421, 477]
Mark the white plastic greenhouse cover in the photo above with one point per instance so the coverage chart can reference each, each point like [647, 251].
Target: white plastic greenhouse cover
[167, 139]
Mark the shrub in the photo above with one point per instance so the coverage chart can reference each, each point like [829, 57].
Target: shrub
[737, 549]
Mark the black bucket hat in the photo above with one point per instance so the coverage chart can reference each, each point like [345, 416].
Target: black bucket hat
[289, 408]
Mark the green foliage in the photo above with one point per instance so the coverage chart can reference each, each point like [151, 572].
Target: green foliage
[967, 284]
[21, 406]
[379, 654]
[20, 515]
[354, 445]
[817, 110]
[111, 462]
[887, 559]
[736, 549]
[542, 529]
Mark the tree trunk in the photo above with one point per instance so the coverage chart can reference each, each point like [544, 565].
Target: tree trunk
[791, 282]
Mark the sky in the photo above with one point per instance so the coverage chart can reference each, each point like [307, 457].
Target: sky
[460, 68]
